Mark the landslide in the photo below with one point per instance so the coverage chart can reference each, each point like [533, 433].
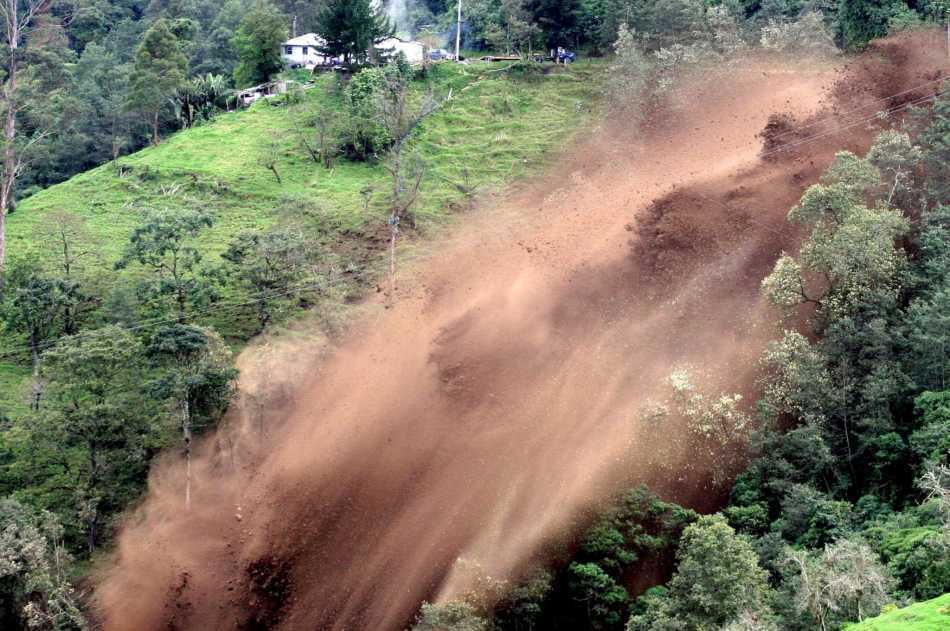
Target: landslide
[498, 401]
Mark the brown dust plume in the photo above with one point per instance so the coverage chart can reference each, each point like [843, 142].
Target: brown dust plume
[484, 415]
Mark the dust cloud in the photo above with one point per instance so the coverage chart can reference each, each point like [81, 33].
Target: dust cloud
[498, 402]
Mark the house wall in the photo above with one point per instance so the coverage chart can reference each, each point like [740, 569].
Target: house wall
[413, 51]
[297, 56]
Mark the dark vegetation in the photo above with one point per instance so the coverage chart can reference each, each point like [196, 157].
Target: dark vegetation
[844, 510]
[855, 416]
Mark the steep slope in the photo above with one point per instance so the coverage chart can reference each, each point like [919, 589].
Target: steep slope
[498, 126]
[501, 399]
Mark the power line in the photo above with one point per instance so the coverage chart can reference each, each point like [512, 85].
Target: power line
[858, 109]
[881, 114]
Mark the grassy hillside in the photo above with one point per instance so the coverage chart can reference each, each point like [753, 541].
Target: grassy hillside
[499, 125]
[931, 615]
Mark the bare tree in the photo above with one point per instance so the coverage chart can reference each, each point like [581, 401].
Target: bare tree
[847, 582]
[16, 16]
[936, 482]
[406, 169]
[319, 134]
[270, 158]
[68, 234]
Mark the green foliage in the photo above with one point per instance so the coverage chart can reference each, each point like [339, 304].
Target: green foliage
[863, 20]
[522, 606]
[258, 40]
[717, 579]
[451, 616]
[158, 71]
[194, 368]
[598, 594]
[351, 28]
[931, 441]
[95, 422]
[164, 243]
[367, 133]
[34, 305]
[34, 590]
[851, 254]
[272, 267]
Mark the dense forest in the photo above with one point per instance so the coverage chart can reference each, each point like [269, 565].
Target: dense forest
[844, 508]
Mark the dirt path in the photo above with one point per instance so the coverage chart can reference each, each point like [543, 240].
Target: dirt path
[498, 401]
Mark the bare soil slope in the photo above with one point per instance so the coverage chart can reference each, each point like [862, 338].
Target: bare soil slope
[485, 414]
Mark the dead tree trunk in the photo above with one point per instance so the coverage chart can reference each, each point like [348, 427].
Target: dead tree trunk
[16, 18]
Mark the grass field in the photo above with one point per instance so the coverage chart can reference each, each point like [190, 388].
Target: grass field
[499, 125]
[931, 615]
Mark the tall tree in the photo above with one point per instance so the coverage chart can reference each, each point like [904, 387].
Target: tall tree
[17, 17]
[94, 406]
[351, 28]
[158, 70]
[164, 244]
[258, 40]
[196, 377]
[270, 266]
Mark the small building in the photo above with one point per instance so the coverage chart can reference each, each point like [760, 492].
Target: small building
[414, 51]
[304, 51]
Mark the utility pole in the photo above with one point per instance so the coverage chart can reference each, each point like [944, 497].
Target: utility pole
[458, 35]
[295, 27]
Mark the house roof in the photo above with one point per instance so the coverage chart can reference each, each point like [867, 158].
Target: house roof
[309, 39]
[394, 42]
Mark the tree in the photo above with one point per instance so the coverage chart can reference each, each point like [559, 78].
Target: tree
[557, 19]
[269, 157]
[320, 130]
[603, 599]
[401, 120]
[196, 377]
[17, 16]
[522, 606]
[159, 69]
[629, 74]
[851, 254]
[451, 616]
[35, 304]
[164, 244]
[515, 29]
[845, 582]
[102, 84]
[67, 233]
[34, 589]
[270, 267]
[863, 20]
[258, 41]
[94, 405]
[365, 132]
[717, 575]
[351, 28]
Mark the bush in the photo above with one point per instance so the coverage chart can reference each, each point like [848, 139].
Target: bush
[366, 135]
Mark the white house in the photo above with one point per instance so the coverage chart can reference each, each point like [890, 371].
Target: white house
[304, 51]
[414, 51]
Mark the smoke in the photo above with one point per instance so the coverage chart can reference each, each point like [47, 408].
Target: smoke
[398, 13]
[499, 402]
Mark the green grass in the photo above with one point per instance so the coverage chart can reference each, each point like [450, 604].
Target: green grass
[931, 615]
[500, 125]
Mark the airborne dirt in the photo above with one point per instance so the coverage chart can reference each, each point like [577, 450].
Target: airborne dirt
[499, 400]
